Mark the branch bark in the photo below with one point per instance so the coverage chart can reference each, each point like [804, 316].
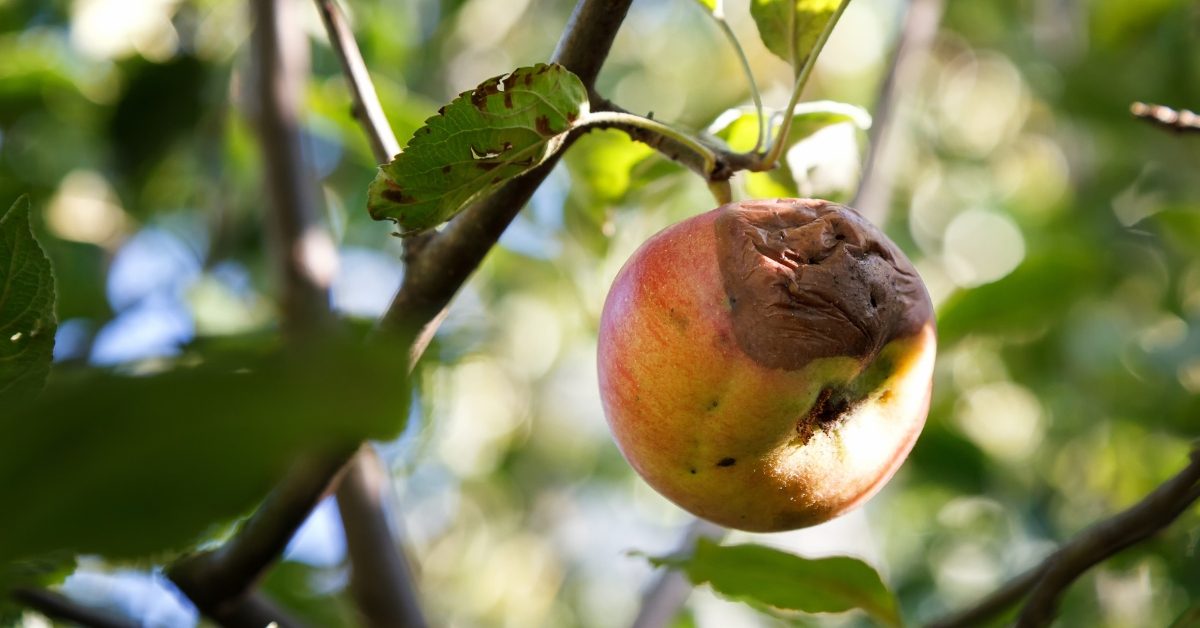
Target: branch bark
[1045, 583]
[381, 578]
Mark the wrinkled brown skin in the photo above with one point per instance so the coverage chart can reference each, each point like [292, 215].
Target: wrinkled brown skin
[767, 365]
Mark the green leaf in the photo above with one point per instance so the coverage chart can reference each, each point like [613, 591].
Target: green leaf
[711, 5]
[500, 130]
[761, 575]
[130, 467]
[27, 322]
[794, 29]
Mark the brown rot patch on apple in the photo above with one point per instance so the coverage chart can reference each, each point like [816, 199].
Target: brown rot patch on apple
[809, 279]
[830, 408]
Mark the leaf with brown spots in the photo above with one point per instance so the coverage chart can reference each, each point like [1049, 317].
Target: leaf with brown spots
[495, 132]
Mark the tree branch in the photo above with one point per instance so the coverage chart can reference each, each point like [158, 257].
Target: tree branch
[58, 606]
[367, 109]
[449, 258]
[1181, 121]
[1046, 582]
[874, 195]
[220, 580]
[381, 579]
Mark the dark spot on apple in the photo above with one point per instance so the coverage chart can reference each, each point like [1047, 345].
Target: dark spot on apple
[726, 462]
[446, 169]
[831, 405]
[714, 404]
[693, 470]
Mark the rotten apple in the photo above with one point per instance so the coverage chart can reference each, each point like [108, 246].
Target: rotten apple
[767, 365]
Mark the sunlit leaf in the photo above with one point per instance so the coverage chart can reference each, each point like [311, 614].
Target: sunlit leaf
[792, 29]
[128, 467]
[762, 575]
[485, 137]
[711, 5]
[27, 321]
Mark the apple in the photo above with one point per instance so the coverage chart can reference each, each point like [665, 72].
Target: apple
[767, 365]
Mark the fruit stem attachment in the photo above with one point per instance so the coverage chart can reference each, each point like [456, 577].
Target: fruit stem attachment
[620, 119]
[802, 73]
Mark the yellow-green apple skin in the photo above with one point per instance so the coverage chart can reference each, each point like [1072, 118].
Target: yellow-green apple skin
[767, 365]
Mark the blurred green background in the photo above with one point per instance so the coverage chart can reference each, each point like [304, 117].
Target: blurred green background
[1059, 237]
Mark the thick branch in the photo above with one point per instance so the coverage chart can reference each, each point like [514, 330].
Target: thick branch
[381, 578]
[60, 607]
[303, 252]
[1181, 121]
[1046, 582]
[367, 108]
[221, 582]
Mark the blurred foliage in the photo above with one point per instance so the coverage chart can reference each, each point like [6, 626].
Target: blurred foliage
[1058, 236]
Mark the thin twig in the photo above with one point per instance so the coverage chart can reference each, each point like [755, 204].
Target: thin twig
[303, 251]
[381, 580]
[367, 108]
[671, 589]
[921, 21]
[1179, 121]
[1045, 583]
[60, 607]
